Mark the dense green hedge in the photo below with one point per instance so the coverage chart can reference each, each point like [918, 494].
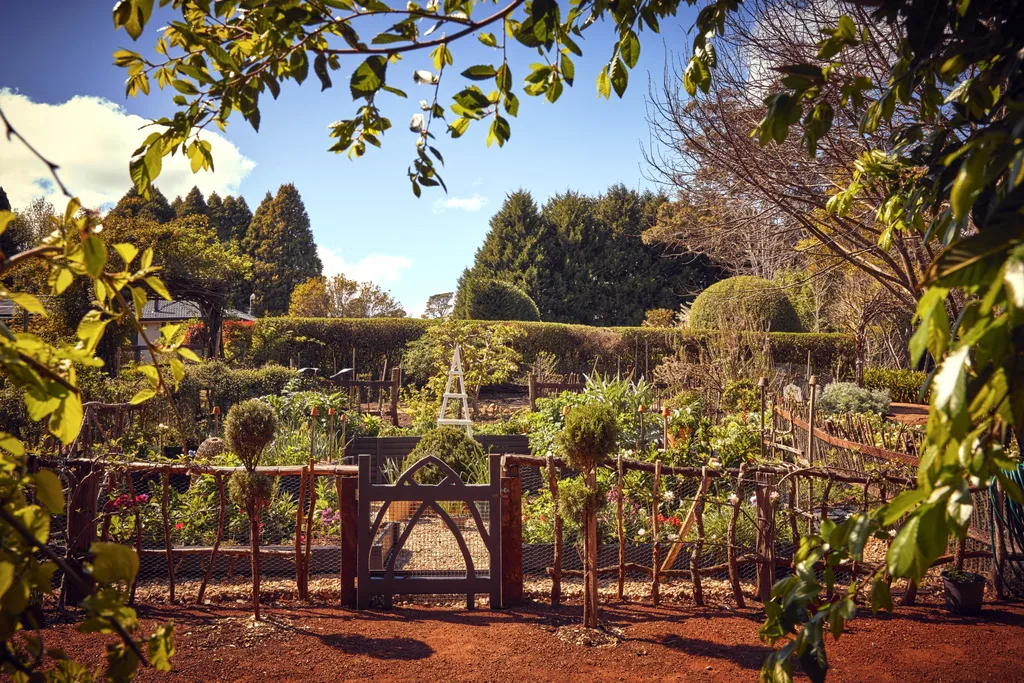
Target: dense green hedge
[328, 342]
[483, 298]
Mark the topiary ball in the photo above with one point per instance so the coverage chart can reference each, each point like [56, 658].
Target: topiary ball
[488, 299]
[744, 303]
[249, 429]
[250, 491]
[590, 434]
[454, 447]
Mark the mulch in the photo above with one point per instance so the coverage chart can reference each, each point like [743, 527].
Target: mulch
[220, 642]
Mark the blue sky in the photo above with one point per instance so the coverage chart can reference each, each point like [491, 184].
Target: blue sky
[364, 216]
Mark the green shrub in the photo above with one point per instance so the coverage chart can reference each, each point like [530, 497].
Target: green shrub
[903, 385]
[453, 447]
[847, 397]
[746, 303]
[489, 299]
[741, 394]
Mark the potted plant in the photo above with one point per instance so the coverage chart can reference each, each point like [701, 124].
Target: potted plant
[964, 591]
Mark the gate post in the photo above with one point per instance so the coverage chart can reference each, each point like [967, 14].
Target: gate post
[365, 541]
[494, 524]
[349, 544]
[511, 538]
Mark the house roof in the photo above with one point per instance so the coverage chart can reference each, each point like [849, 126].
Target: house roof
[158, 309]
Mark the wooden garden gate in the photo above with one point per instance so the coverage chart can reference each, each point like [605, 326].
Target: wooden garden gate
[386, 579]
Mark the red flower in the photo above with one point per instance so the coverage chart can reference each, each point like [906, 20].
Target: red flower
[179, 526]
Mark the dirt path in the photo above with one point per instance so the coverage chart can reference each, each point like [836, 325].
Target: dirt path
[670, 643]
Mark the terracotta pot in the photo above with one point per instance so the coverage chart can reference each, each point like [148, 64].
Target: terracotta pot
[401, 510]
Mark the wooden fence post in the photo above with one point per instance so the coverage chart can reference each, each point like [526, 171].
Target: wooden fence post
[396, 385]
[165, 477]
[765, 538]
[656, 534]
[697, 513]
[349, 528]
[556, 569]
[216, 544]
[621, 527]
[734, 570]
[532, 383]
[511, 538]
[81, 520]
[308, 554]
[298, 532]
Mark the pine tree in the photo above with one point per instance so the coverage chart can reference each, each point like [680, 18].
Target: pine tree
[280, 242]
[215, 213]
[134, 205]
[236, 219]
[192, 205]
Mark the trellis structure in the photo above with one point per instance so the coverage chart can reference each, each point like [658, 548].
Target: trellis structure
[455, 374]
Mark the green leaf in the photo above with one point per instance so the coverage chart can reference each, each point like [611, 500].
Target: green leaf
[629, 48]
[27, 302]
[189, 354]
[6, 576]
[66, 419]
[488, 39]
[90, 331]
[480, 72]
[320, 69]
[161, 647]
[113, 563]
[368, 78]
[49, 491]
[12, 444]
[619, 77]
[881, 596]
[899, 506]
[142, 396]
[158, 286]
[5, 218]
[604, 84]
[95, 255]
[62, 280]
[969, 181]
[127, 252]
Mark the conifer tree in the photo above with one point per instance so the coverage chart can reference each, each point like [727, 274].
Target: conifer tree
[134, 205]
[280, 243]
[192, 205]
[215, 213]
[234, 223]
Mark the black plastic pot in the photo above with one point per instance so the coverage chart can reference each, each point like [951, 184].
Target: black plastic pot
[964, 597]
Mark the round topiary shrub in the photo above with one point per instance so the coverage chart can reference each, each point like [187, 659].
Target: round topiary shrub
[744, 303]
[455, 448]
[589, 436]
[488, 299]
[249, 429]
[210, 449]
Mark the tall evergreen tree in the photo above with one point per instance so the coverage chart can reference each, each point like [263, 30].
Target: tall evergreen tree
[215, 213]
[192, 205]
[280, 243]
[235, 219]
[582, 259]
[134, 205]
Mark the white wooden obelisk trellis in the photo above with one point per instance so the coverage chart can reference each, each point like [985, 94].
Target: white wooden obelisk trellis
[455, 374]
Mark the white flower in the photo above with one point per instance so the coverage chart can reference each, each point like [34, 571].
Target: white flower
[753, 499]
[423, 76]
[424, 105]
[417, 123]
[668, 496]
[733, 498]
[432, 5]
[641, 532]
[773, 496]
[673, 537]
[713, 462]
[161, 426]
[892, 533]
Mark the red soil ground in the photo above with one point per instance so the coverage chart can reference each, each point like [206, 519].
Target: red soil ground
[675, 642]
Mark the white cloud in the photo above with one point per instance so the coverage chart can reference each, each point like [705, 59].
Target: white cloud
[380, 269]
[470, 204]
[92, 139]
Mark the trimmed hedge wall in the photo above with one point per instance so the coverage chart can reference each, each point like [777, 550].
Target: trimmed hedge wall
[328, 342]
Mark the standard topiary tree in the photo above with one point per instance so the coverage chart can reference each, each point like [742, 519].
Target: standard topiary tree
[248, 431]
[589, 436]
[481, 298]
[744, 303]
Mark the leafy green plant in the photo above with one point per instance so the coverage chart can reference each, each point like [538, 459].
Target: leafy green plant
[742, 395]
[903, 386]
[737, 439]
[453, 447]
[847, 397]
[745, 303]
